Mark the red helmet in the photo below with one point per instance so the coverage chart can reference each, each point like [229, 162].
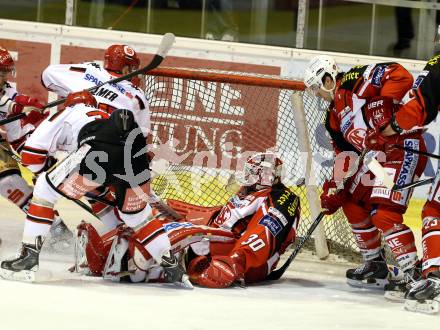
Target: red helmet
[84, 97]
[6, 61]
[118, 56]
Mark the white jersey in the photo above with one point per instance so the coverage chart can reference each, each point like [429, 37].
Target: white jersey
[66, 78]
[59, 132]
[13, 131]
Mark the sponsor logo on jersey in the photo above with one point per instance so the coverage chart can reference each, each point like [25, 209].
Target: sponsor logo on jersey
[377, 76]
[350, 76]
[272, 224]
[278, 215]
[345, 124]
[96, 81]
[375, 104]
[174, 225]
[409, 162]
[419, 79]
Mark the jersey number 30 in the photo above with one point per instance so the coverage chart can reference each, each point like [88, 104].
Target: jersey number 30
[254, 243]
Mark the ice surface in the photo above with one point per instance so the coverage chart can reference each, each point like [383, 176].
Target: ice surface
[311, 295]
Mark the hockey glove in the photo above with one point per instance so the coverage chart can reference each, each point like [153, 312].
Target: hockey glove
[375, 140]
[25, 104]
[332, 200]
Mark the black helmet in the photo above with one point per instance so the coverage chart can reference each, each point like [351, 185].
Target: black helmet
[123, 120]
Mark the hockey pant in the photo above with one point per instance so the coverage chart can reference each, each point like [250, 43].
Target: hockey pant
[387, 207]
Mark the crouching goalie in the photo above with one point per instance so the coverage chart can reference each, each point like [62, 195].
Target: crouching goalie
[241, 241]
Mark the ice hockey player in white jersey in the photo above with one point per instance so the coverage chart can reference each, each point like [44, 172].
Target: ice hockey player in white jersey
[118, 60]
[12, 185]
[104, 150]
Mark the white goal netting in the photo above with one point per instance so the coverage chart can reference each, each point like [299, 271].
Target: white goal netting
[206, 123]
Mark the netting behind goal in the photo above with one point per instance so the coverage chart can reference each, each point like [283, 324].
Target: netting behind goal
[206, 123]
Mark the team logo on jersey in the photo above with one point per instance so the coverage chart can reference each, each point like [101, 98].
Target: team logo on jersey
[128, 51]
[272, 224]
[356, 138]
[377, 76]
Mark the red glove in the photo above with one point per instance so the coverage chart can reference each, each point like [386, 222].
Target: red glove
[24, 103]
[35, 117]
[374, 140]
[218, 271]
[332, 200]
[379, 112]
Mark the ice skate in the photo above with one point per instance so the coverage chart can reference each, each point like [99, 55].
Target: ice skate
[23, 267]
[424, 295]
[174, 272]
[397, 287]
[372, 274]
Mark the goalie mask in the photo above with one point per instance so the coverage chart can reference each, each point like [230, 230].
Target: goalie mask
[262, 170]
[316, 71]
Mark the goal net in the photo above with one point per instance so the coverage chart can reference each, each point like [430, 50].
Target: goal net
[206, 123]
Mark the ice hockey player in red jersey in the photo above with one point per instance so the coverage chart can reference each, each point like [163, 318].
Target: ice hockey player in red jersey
[104, 150]
[263, 216]
[12, 185]
[361, 98]
[241, 241]
[418, 108]
[118, 60]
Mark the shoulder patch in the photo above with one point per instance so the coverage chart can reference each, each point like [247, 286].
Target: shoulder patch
[272, 224]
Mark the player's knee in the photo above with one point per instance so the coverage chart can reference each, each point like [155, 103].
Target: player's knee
[386, 219]
[44, 191]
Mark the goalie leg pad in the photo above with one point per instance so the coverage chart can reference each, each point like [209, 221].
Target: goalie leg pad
[90, 250]
[113, 269]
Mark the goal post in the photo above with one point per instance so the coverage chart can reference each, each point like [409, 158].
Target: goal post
[207, 122]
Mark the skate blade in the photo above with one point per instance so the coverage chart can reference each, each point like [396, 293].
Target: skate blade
[185, 283]
[378, 284]
[21, 276]
[395, 296]
[426, 307]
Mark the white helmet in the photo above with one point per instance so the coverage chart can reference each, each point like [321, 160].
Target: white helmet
[317, 68]
[262, 170]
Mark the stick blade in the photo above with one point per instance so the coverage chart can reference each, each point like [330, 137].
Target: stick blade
[378, 170]
[166, 43]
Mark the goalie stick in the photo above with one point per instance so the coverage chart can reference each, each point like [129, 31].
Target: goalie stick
[277, 273]
[164, 46]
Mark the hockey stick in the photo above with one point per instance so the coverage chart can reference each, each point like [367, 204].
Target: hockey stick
[277, 273]
[165, 45]
[424, 153]
[413, 184]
